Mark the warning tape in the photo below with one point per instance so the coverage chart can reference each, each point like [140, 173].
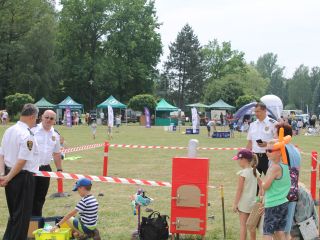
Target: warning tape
[119, 180]
[92, 146]
[81, 148]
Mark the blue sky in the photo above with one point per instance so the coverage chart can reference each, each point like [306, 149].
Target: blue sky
[289, 28]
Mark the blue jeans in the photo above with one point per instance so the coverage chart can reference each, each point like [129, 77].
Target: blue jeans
[290, 216]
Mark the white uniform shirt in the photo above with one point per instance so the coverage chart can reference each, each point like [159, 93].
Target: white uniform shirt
[264, 130]
[48, 142]
[19, 143]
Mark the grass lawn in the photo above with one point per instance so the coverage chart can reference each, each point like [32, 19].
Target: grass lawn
[116, 220]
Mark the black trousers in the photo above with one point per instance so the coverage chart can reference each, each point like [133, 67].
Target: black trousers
[19, 195]
[263, 163]
[40, 191]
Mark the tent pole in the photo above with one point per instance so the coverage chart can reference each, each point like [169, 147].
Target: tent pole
[126, 116]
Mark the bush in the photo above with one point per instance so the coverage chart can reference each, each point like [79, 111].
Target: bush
[14, 103]
[138, 102]
[245, 99]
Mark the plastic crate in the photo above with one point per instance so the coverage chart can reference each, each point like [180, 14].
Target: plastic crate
[60, 234]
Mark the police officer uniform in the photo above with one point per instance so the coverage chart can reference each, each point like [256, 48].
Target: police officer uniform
[18, 143]
[49, 143]
[266, 131]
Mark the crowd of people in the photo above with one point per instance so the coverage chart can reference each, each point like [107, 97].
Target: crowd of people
[266, 180]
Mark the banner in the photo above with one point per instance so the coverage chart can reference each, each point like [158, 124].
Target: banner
[110, 116]
[147, 115]
[68, 117]
[194, 119]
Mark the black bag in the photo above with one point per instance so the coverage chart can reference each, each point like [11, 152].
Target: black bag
[154, 227]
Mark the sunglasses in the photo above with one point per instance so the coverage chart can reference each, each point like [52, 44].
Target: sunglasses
[271, 150]
[47, 117]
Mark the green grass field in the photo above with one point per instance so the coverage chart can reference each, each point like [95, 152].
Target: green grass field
[116, 220]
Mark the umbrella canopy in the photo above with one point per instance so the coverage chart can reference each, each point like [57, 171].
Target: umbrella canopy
[69, 102]
[197, 105]
[111, 101]
[163, 105]
[221, 105]
[43, 103]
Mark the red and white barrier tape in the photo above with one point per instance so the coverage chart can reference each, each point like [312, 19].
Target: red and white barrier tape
[81, 148]
[118, 180]
[103, 179]
[167, 147]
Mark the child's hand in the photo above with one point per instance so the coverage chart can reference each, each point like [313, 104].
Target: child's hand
[235, 208]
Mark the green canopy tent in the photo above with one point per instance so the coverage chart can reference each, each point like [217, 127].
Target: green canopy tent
[221, 105]
[68, 102]
[164, 109]
[44, 104]
[111, 101]
[114, 103]
[197, 105]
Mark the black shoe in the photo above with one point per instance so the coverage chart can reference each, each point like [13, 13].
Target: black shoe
[96, 235]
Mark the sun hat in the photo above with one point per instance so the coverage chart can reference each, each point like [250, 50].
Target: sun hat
[243, 153]
[82, 183]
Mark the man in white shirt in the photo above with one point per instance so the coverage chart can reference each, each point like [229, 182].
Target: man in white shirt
[260, 133]
[48, 140]
[4, 117]
[18, 163]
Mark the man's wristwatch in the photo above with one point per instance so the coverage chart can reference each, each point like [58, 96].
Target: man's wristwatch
[58, 225]
[59, 170]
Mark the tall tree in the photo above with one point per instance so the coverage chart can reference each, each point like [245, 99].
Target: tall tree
[27, 40]
[82, 28]
[315, 86]
[232, 86]
[184, 67]
[268, 67]
[221, 60]
[134, 46]
[299, 88]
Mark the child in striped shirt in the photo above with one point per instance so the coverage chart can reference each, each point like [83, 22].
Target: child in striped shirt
[85, 227]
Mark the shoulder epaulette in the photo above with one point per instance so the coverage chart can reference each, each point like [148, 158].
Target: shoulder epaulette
[272, 120]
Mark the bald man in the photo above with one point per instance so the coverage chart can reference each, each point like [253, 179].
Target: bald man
[48, 140]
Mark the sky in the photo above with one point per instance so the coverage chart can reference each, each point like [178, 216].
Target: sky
[289, 28]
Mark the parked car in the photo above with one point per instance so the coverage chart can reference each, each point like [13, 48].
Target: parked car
[129, 116]
[304, 118]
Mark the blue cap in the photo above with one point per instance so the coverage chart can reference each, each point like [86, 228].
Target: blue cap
[81, 183]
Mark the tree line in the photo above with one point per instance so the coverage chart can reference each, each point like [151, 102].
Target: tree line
[93, 48]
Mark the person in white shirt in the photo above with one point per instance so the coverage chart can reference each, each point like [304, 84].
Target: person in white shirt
[4, 117]
[260, 133]
[18, 163]
[48, 140]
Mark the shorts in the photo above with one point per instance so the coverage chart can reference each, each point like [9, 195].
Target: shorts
[77, 224]
[275, 219]
[290, 216]
[208, 128]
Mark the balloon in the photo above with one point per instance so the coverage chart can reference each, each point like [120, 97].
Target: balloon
[283, 140]
[274, 104]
